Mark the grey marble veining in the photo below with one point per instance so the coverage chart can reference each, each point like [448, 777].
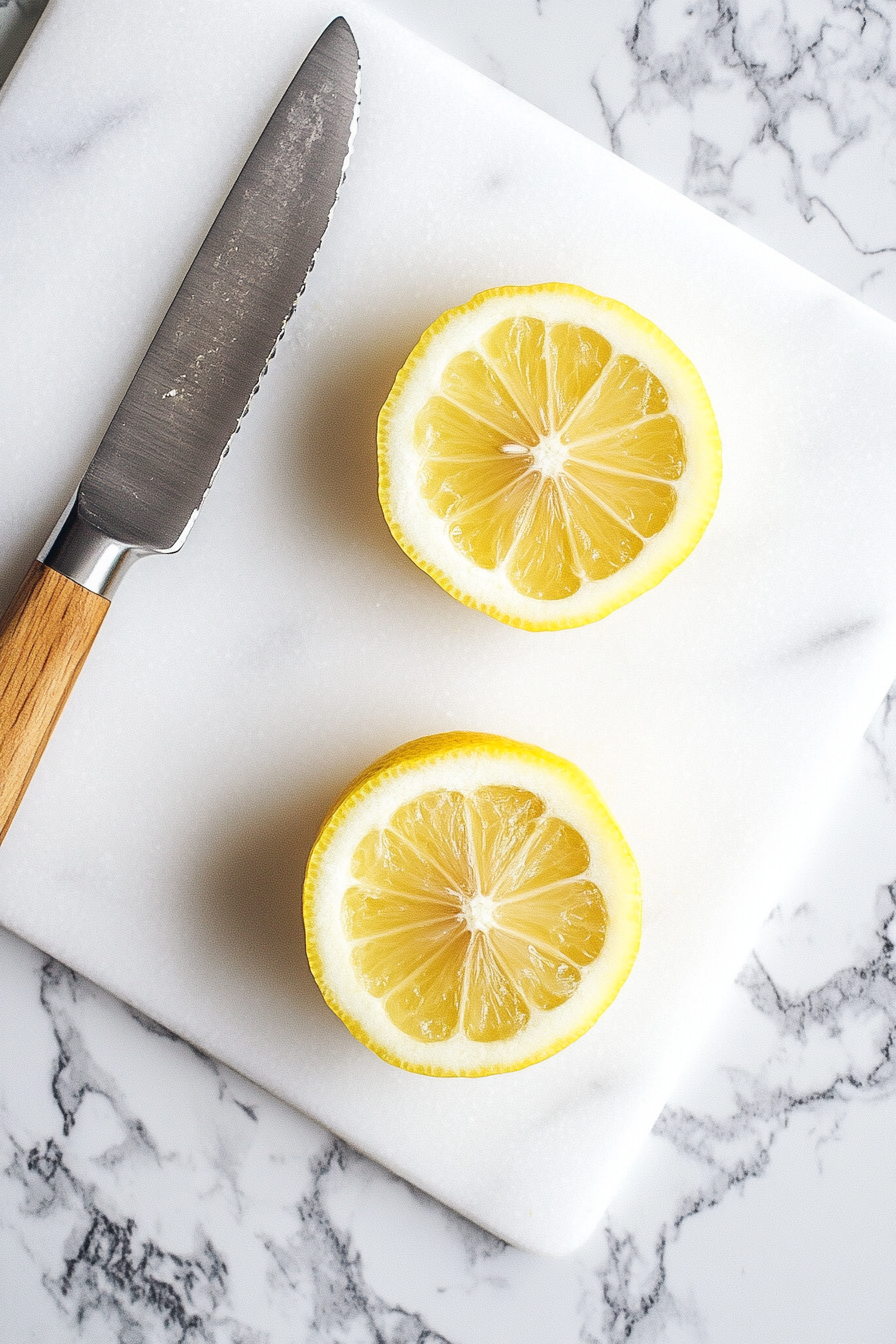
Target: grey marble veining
[149, 1194]
[780, 106]
[776, 114]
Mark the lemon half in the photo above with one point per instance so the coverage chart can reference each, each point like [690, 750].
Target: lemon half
[470, 905]
[546, 455]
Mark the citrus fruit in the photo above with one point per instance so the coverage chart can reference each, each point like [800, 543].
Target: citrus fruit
[470, 905]
[547, 455]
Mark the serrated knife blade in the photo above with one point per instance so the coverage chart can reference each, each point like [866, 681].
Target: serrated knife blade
[156, 461]
[157, 458]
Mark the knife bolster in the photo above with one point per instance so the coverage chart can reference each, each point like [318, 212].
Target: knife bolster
[45, 636]
[83, 553]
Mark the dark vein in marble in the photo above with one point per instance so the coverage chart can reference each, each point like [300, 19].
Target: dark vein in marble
[75, 1072]
[811, 67]
[219, 1072]
[632, 1288]
[611, 122]
[129, 1281]
[816, 201]
[878, 737]
[109, 1269]
[632, 1282]
[866, 990]
[114, 1272]
[320, 1262]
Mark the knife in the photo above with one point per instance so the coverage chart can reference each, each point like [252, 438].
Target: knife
[158, 458]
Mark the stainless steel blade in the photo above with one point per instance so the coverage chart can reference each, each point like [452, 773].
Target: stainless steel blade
[157, 459]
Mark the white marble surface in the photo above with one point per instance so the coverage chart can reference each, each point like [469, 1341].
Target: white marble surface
[237, 686]
[140, 1201]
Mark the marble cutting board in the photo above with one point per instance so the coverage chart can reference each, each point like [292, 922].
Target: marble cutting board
[235, 688]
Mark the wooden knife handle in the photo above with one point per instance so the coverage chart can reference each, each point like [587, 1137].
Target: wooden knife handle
[45, 635]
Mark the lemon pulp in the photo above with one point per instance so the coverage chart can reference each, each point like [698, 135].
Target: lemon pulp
[470, 911]
[549, 453]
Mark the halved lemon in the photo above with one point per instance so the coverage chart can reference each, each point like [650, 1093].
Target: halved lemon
[547, 454]
[470, 905]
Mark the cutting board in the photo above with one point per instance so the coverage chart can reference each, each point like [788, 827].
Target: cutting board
[238, 686]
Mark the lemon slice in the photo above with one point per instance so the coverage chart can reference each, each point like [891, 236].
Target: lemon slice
[470, 905]
[547, 455]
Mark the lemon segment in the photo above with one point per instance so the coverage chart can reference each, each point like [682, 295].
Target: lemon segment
[547, 455]
[470, 905]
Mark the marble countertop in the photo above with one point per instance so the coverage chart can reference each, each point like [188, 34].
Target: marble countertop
[148, 1194]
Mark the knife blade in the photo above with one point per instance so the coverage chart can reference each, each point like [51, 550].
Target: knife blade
[156, 462]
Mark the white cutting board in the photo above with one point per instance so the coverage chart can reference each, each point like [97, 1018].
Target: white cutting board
[237, 687]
